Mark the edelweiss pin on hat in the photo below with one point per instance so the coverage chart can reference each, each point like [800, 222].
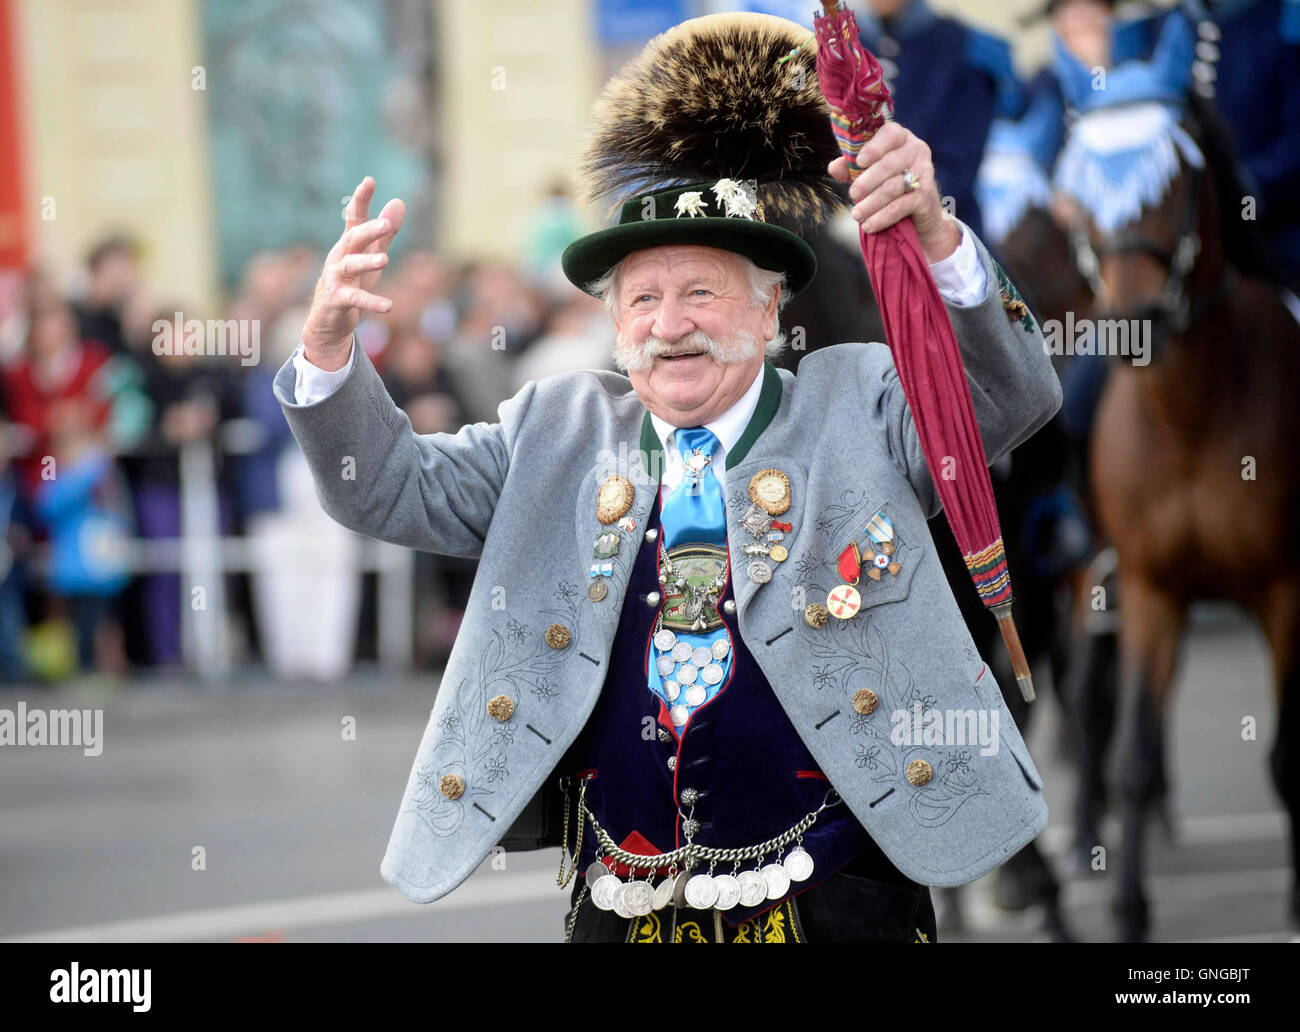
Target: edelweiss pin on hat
[716, 128]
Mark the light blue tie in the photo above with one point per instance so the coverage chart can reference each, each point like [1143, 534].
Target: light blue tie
[693, 513]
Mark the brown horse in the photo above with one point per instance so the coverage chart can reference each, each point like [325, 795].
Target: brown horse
[1195, 464]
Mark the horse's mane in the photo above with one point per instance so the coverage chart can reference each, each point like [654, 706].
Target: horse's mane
[1243, 241]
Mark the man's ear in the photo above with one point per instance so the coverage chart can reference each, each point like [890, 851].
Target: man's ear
[769, 313]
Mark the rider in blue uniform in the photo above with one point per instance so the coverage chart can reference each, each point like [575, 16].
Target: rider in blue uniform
[949, 82]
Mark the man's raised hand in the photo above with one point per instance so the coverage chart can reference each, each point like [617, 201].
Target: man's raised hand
[352, 269]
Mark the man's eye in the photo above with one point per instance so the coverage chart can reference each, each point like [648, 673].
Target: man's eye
[701, 290]
[639, 298]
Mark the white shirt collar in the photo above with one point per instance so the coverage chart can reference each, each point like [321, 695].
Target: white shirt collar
[727, 428]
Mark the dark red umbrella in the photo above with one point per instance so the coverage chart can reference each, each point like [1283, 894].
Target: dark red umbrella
[920, 335]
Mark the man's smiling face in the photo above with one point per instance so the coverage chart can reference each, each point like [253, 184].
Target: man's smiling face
[689, 333]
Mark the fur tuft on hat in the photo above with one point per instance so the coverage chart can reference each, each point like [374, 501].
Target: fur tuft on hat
[712, 99]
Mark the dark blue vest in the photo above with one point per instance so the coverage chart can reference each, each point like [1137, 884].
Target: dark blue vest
[754, 776]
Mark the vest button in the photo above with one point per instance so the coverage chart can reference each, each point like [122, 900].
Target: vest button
[651, 534]
[452, 785]
[653, 599]
[865, 701]
[690, 796]
[729, 606]
[501, 707]
[690, 828]
[672, 762]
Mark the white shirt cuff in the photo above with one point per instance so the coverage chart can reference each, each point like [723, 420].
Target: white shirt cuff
[312, 383]
[960, 277]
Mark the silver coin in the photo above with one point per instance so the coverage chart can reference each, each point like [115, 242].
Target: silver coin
[620, 903]
[701, 656]
[663, 895]
[712, 674]
[720, 648]
[778, 882]
[672, 689]
[604, 891]
[701, 892]
[759, 572]
[595, 872]
[665, 639]
[695, 694]
[682, 652]
[728, 891]
[753, 888]
[639, 898]
[665, 665]
[679, 715]
[687, 674]
[679, 888]
[798, 864]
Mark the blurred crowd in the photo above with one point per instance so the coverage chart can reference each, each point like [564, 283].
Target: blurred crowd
[108, 447]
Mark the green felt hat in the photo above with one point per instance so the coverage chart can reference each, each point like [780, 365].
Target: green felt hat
[724, 214]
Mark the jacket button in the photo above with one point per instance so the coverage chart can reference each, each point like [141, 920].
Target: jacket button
[919, 772]
[452, 785]
[501, 707]
[558, 636]
[690, 797]
[816, 615]
[865, 701]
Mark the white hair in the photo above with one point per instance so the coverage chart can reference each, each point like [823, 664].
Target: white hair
[761, 282]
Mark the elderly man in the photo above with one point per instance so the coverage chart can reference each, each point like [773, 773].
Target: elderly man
[747, 703]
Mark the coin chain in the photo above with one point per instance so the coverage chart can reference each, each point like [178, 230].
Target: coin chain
[691, 853]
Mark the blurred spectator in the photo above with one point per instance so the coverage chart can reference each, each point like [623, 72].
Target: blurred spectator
[85, 506]
[555, 226]
[503, 315]
[578, 335]
[949, 81]
[191, 396]
[306, 588]
[419, 384]
[114, 278]
[15, 542]
[60, 367]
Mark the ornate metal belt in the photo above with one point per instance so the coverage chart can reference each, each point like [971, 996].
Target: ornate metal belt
[684, 885]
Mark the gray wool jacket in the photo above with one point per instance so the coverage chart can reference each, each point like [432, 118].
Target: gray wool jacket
[520, 495]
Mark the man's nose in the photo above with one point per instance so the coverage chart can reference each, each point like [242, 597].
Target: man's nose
[671, 321]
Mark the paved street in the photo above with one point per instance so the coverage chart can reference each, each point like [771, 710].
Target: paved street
[294, 820]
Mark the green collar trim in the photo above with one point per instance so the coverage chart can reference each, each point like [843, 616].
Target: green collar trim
[769, 400]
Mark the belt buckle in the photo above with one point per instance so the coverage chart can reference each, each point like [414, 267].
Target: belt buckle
[695, 577]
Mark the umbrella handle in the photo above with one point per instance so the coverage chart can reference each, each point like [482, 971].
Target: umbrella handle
[1011, 639]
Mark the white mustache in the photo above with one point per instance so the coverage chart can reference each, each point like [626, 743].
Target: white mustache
[631, 357]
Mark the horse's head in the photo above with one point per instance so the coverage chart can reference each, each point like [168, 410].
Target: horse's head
[1140, 208]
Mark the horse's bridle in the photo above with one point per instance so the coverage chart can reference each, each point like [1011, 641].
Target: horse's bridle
[1174, 312]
